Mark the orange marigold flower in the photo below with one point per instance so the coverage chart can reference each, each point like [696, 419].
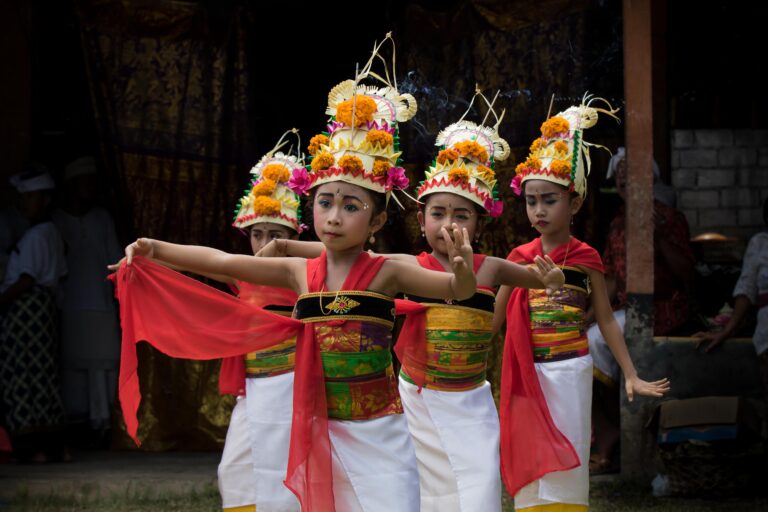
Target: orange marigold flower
[486, 173]
[537, 144]
[471, 149]
[532, 162]
[380, 137]
[561, 147]
[315, 143]
[560, 167]
[458, 174]
[521, 167]
[364, 110]
[266, 206]
[381, 167]
[323, 160]
[554, 126]
[264, 188]
[351, 163]
[276, 172]
[447, 155]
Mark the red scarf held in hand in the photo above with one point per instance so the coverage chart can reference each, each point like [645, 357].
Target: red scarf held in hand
[411, 347]
[531, 444]
[232, 373]
[184, 318]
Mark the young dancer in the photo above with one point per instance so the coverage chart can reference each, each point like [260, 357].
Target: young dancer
[363, 458]
[255, 456]
[547, 371]
[448, 403]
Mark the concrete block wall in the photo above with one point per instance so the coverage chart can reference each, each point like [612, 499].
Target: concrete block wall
[721, 178]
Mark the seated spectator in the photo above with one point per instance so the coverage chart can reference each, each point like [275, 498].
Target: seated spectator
[673, 275]
[751, 291]
[29, 387]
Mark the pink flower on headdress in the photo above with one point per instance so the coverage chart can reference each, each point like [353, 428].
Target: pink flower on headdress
[300, 181]
[494, 208]
[396, 178]
[516, 181]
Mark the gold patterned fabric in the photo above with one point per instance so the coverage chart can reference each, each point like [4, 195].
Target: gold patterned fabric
[170, 97]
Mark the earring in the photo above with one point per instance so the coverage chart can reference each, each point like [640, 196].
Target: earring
[571, 220]
[423, 235]
[371, 239]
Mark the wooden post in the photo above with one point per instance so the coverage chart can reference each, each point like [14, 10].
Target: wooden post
[636, 443]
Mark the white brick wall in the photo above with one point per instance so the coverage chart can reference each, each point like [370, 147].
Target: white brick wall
[721, 178]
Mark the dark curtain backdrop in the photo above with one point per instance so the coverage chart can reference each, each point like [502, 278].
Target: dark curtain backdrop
[170, 93]
[188, 96]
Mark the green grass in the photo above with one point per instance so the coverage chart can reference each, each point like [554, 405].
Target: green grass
[132, 500]
[605, 497]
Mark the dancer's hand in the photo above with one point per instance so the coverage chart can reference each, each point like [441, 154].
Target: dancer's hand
[549, 273]
[636, 385]
[116, 266]
[141, 247]
[459, 249]
[277, 248]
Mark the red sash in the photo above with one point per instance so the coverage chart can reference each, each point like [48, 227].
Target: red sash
[232, 373]
[531, 444]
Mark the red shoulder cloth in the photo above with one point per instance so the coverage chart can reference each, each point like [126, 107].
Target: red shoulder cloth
[309, 474]
[184, 318]
[232, 373]
[531, 444]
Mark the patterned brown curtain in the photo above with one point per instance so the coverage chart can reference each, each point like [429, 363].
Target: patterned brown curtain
[169, 87]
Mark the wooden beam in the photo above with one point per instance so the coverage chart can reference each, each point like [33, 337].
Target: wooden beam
[638, 92]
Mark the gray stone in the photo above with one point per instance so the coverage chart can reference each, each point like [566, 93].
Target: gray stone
[698, 158]
[710, 178]
[713, 138]
[750, 216]
[737, 157]
[682, 138]
[684, 178]
[740, 197]
[692, 217]
[717, 217]
[699, 199]
[750, 137]
[755, 177]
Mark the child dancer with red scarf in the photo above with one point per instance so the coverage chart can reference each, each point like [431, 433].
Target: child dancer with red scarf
[546, 387]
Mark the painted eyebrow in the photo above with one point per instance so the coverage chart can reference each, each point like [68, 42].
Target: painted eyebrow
[345, 197]
[542, 195]
[446, 207]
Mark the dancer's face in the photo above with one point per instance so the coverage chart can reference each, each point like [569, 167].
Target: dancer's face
[345, 216]
[264, 232]
[443, 209]
[550, 207]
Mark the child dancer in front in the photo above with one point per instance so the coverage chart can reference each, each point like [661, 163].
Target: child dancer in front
[546, 389]
[346, 298]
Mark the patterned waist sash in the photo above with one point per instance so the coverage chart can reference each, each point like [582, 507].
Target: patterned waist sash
[458, 342]
[275, 360]
[354, 332]
[557, 321]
